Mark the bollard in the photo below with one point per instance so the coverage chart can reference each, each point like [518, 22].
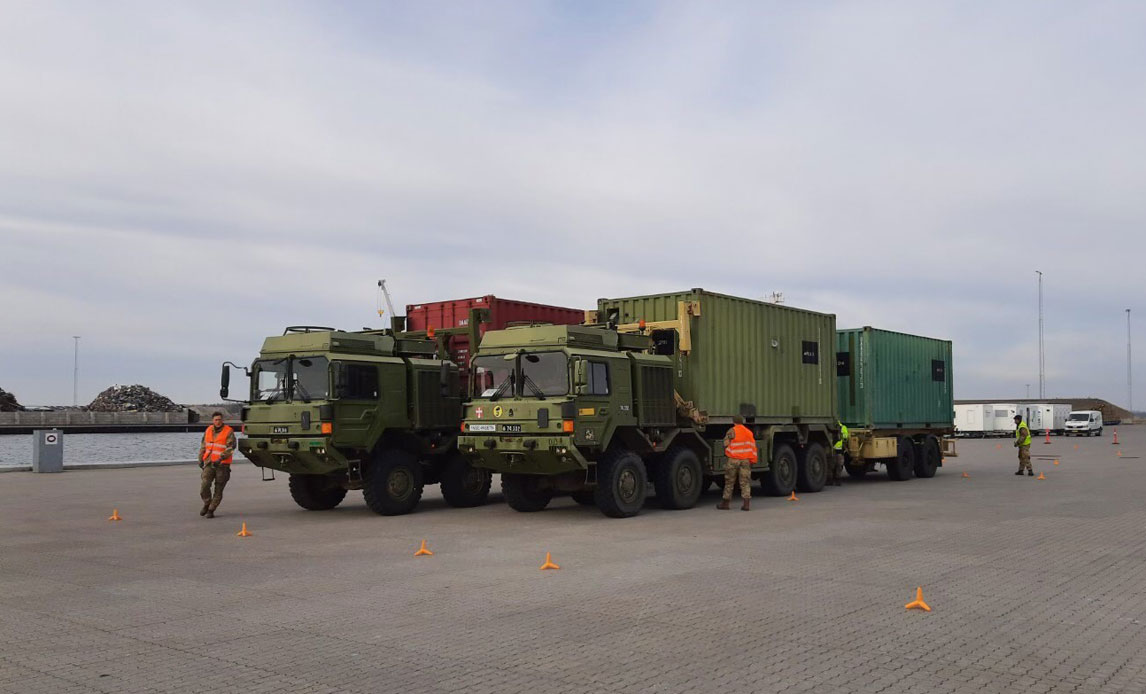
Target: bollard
[47, 450]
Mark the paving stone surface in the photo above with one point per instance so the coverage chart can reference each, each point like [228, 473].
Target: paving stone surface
[1037, 586]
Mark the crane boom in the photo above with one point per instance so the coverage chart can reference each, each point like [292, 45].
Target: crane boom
[386, 296]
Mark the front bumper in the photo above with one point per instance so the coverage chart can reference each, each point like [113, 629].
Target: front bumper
[295, 456]
[532, 455]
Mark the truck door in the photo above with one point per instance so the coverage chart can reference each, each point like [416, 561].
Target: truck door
[358, 393]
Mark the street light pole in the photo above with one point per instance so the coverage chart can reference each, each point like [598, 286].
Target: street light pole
[1042, 354]
[76, 372]
[1129, 382]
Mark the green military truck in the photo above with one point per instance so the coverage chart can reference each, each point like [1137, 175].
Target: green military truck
[370, 410]
[647, 393]
[895, 396]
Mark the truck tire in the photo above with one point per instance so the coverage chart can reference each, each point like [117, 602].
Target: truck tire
[929, 459]
[463, 485]
[584, 497]
[316, 492]
[524, 493]
[812, 469]
[393, 482]
[622, 484]
[856, 472]
[900, 467]
[780, 478]
[678, 479]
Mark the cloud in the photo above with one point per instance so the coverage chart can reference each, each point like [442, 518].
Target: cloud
[902, 165]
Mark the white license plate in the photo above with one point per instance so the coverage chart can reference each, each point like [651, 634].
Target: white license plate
[482, 427]
[511, 428]
[278, 430]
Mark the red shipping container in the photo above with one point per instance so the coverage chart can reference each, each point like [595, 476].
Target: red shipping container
[502, 314]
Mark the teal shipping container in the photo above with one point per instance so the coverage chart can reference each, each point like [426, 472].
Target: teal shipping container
[890, 380]
[769, 363]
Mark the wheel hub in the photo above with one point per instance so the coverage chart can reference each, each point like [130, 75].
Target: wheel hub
[627, 485]
[399, 483]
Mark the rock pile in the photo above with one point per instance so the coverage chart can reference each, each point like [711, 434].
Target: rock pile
[135, 398]
[8, 402]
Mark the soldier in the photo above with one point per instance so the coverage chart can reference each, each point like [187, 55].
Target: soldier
[215, 461]
[836, 470]
[1023, 443]
[740, 449]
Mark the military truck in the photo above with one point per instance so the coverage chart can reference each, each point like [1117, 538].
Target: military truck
[646, 393]
[370, 410]
[895, 396]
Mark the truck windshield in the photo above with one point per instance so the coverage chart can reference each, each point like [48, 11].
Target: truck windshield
[490, 373]
[309, 379]
[549, 372]
[1080, 416]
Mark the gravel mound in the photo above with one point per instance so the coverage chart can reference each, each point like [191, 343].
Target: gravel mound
[135, 398]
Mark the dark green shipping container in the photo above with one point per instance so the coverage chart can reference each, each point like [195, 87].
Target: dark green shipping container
[890, 380]
[767, 362]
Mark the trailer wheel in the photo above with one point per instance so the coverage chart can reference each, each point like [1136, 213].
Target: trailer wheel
[524, 492]
[856, 472]
[463, 485]
[393, 482]
[584, 497]
[622, 484]
[780, 477]
[901, 467]
[928, 462]
[677, 478]
[316, 492]
[812, 469]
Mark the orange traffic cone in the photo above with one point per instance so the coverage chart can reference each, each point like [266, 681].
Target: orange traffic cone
[1048, 437]
[793, 497]
[1115, 441]
[423, 552]
[1041, 476]
[1119, 455]
[966, 476]
[549, 563]
[1076, 446]
[917, 603]
[244, 532]
[998, 445]
[1056, 461]
[115, 515]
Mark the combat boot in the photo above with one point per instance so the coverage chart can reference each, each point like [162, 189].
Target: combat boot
[723, 505]
[1030, 473]
[210, 513]
[1019, 472]
[206, 507]
[744, 506]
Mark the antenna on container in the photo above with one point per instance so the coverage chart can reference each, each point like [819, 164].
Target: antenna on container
[775, 298]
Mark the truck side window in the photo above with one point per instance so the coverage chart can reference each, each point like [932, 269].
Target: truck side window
[598, 378]
[361, 382]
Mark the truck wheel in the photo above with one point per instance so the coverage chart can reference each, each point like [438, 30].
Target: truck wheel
[464, 485]
[678, 479]
[856, 472]
[524, 493]
[812, 469]
[900, 467]
[316, 492]
[622, 484]
[780, 478]
[393, 483]
[584, 497]
[928, 462]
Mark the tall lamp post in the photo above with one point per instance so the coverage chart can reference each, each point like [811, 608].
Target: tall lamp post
[1042, 354]
[76, 372]
[1129, 382]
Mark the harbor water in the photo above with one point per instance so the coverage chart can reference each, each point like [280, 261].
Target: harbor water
[107, 448]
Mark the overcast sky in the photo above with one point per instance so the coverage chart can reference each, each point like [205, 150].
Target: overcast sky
[178, 181]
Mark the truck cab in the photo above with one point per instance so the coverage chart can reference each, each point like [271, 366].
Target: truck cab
[1084, 423]
[370, 410]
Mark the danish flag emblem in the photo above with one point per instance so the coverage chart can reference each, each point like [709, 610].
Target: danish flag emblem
[478, 412]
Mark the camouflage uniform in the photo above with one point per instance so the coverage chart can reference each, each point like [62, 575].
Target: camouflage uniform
[737, 471]
[214, 472]
[836, 464]
[1022, 434]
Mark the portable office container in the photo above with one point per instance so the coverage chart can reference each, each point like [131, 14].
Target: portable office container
[890, 380]
[974, 420]
[767, 362]
[1044, 417]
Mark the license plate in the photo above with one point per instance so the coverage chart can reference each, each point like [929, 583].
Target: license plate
[278, 430]
[511, 428]
[482, 427]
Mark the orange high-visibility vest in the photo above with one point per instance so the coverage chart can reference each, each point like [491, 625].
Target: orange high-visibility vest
[743, 445]
[215, 445]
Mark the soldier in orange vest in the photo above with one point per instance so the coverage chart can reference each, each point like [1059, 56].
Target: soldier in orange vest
[215, 460]
[740, 451]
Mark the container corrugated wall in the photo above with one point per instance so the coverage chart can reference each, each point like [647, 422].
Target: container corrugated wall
[747, 355]
[890, 380]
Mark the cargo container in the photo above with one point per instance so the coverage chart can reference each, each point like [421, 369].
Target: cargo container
[648, 393]
[895, 396]
[452, 319]
[1004, 418]
[974, 420]
[1044, 417]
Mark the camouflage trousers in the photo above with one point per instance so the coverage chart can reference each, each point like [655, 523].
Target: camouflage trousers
[737, 471]
[836, 468]
[219, 474]
[1025, 458]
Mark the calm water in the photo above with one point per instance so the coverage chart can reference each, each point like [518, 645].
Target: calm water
[104, 448]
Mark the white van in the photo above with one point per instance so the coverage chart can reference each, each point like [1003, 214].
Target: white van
[1084, 423]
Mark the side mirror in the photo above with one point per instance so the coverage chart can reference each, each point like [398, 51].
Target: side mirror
[581, 377]
[225, 382]
[444, 379]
